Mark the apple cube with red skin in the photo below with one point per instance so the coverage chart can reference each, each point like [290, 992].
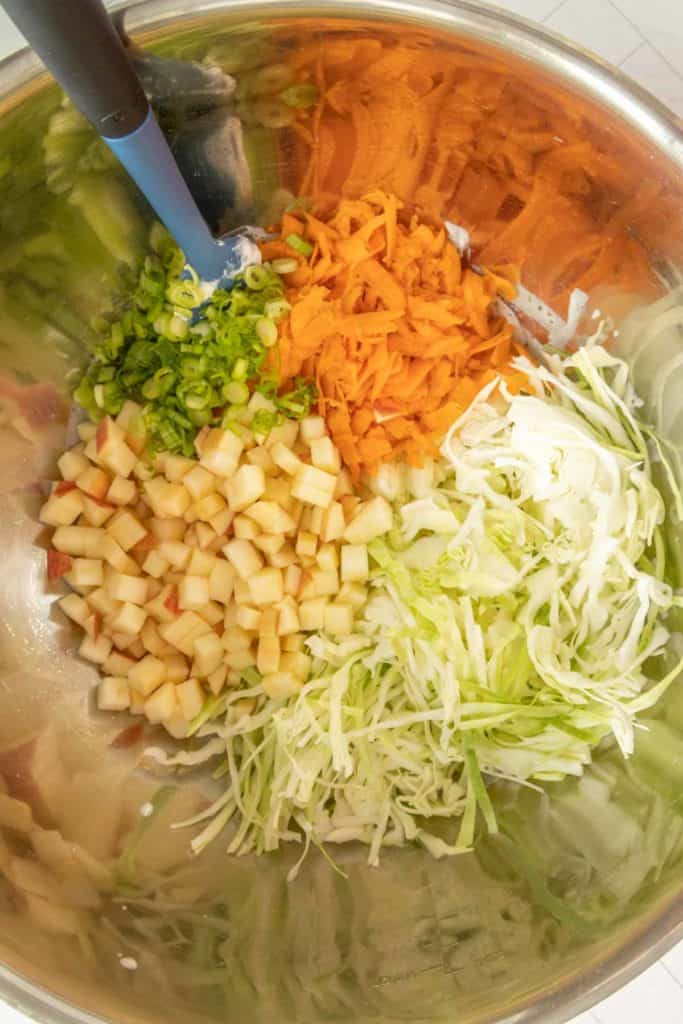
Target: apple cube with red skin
[112, 449]
[62, 509]
[94, 482]
[58, 564]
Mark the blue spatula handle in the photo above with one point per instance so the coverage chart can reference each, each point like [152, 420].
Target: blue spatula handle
[80, 46]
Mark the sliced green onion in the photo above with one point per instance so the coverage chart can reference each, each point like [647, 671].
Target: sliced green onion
[300, 244]
[267, 331]
[256, 277]
[276, 310]
[285, 266]
[236, 392]
[240, 370]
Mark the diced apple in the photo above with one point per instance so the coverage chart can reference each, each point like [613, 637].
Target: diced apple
[260, 456]
[288, 617]
[176, 467]
[313, 486]
[94, 482]
[241, 592]
[124, 642]
[201, 563]
[284, 433]
[129, 413]
[121, 491]
[266, 586]
[86, 431]
[210, 506]
[245, 487]
[96, 513]
[155, 564]
[218, 679]
[62, 509]
[152, 642]
[321, 583]
[208, 654]
[97, 650]
[76, 608]
[239, 660]
[199, 482]
[190, 698]
[243, 557]
[176, 667]
[279, 490]
[154, 588]
[113, 694]
[283, 558]
[129, 619]
[137, 703]
[328, 557]
[205, 535]
[211, 612]
[143, 471]
[184, 630]
[162, 705]
[280, 685]
[269, 543]
[292, 580]
[176, 553]
[124, 588]
[268, 625]
[312, 613]
[173, 502]
[118, 664]
[285, 459]
[338, 619]
[221, 581]
[72, 463]
[315, 520]
[222, 522]
[306, 544]
[312, 428]
[236, 639]
[351, 505]
[113, 553]
[148, 674]
[270, 517]
[112, 449]
[126, 529]
[325, 455]
[333, 524]
[100, 601]
[193, 592]
[344, 484]
[58, 564]
[352, 593]
[168, 529]
[248, 618]
[294, 643]
[296, 662]
[371, 520]
[244, 528]
[220, 452]
[86, 572]
[268, 655]
[355, 567]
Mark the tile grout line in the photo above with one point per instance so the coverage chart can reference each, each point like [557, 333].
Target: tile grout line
[555, 9]
[671, 974]
[628, 56]
[646, 39]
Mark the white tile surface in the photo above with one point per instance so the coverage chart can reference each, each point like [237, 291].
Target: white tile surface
[652, 71]
[598, 26]
[661, 23]
[646, 38]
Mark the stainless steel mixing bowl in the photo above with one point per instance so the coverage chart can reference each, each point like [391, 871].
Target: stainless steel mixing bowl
[103, 915]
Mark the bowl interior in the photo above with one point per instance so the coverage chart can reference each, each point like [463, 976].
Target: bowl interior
[471, 117]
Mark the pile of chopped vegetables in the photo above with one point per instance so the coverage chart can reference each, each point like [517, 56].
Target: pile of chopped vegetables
[515, 603]
[397, 334]
[189, 372]
[341, 537]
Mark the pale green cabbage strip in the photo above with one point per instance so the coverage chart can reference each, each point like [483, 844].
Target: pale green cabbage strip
[515, 608]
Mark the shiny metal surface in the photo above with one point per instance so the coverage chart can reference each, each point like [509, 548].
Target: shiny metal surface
[103, 916]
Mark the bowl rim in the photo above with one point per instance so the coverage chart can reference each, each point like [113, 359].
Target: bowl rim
[22, 73]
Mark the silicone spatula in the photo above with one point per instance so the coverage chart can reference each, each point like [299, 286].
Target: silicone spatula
[81, 48]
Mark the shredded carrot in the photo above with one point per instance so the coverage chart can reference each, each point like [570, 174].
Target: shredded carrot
[475, 144]
[397, 334]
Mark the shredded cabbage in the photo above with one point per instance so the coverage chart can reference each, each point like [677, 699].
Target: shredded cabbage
[516, 609]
